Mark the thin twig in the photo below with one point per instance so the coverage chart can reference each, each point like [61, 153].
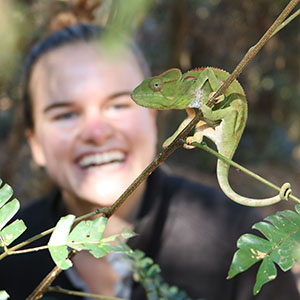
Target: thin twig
[41, 289]
[161, 157]
[287, 21]
[58, 289]
[13, 249]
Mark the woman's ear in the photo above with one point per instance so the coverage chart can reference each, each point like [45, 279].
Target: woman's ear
[36, 148]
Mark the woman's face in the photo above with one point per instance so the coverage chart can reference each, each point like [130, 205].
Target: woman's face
[90, 136]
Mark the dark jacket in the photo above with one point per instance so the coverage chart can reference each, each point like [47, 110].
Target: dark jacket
[190, 230]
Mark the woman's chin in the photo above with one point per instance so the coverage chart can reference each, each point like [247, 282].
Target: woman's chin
[100, 198]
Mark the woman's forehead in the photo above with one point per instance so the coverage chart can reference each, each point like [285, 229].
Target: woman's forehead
[84, 53]
[62, 69]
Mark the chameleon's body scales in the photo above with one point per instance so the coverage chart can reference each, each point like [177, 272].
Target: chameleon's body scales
[224, 123]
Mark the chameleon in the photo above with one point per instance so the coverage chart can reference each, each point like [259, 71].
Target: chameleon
[223, 123]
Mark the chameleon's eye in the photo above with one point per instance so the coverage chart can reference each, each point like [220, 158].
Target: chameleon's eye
[156, 84]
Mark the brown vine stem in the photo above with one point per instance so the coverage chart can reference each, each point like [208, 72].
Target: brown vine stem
[178, 142]
[41, 289]
[161, 157]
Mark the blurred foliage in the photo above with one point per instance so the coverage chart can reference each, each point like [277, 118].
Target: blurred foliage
[174, 33]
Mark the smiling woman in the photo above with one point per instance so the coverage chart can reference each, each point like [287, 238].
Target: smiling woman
[81, 100]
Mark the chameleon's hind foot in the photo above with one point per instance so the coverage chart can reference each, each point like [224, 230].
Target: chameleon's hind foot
[285, 191]
[188, 141]
[197, 137]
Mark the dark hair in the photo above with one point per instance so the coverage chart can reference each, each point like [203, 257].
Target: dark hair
[67, 35]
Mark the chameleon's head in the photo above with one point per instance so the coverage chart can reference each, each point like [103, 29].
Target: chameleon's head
[161, 92]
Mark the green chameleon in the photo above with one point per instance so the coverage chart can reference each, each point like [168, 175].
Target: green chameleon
[224, 123]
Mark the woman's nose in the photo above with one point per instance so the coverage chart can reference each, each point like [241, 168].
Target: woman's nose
[96, 129]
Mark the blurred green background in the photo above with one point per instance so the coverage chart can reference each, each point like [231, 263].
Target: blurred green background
[184, 34]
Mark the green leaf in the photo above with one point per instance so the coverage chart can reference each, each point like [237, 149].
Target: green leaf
[98, 250]
[87, 234]
[8, 209]
[280, 246]
[266, 272]
[111, 238]
[5, 193]
[128, 233]
[58, 242]
[148, 274]
[12, 232]
[3, 295]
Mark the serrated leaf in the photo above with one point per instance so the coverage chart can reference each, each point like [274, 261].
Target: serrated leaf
[3, 295]
[281, 247]
[266, 272]
[58, 242]
[12, 232]
[247, 256]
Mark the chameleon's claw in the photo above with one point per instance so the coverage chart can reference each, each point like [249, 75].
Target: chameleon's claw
[285, 191]
[188, 141]
[218, 99]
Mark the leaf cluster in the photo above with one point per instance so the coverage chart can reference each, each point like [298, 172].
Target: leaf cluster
[147, 273]
[12, 231]
[86, 235]
[7, 210]
[279, 247]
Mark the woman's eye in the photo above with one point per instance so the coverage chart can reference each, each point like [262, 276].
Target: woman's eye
[119, 106]
[66, 116]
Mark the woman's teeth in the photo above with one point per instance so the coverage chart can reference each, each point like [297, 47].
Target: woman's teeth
[98, 159]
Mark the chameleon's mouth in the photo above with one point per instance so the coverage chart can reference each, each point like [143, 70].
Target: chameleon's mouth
[146, 100]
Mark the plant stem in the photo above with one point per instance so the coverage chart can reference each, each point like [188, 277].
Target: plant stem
[58, 289]
[161, 157]
[13, 249]
[41, 289]
[287, 21]
[243, 169]
[28, 250]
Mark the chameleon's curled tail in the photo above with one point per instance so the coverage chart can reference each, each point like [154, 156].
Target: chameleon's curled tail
[222, 174]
